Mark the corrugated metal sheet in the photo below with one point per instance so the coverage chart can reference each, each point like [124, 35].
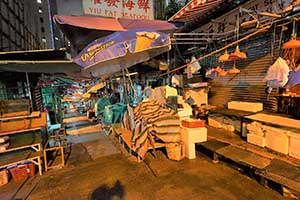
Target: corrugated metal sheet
[248, 85]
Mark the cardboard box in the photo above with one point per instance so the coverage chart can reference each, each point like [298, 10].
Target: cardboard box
[256, 140]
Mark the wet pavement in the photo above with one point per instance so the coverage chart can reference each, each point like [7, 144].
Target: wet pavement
[98, 168]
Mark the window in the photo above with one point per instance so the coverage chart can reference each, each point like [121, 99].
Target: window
[44, 40]
[43, 30]
[41, 20]
[39, 1]
[40, 10]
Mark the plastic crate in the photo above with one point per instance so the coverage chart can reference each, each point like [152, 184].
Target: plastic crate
[23, 171]
[193, 123]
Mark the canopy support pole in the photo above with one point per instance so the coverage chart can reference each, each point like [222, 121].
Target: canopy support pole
[28, 87]
[125, 87]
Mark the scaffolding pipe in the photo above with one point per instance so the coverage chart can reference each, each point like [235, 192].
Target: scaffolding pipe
[219, 50]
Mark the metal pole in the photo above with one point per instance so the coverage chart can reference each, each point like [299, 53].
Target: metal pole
[28, 87]
[219, 50]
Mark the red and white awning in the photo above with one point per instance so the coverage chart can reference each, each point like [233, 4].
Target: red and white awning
[195, 9]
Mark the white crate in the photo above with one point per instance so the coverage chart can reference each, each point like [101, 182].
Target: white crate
[277, 140]
[193, 135]
[294, 146]
[256, 140]
[245, 106]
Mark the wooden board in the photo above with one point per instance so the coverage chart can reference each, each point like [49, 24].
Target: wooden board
[244, 157]
[125, 134]
[213, 145]
[20, 131]
[276, 120]
[283, 173]
[20, 123]
[24, 140]
[32, 115]
[16, 107]
[15, 157]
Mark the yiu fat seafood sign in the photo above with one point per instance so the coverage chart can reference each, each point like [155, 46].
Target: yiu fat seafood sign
[130, 9]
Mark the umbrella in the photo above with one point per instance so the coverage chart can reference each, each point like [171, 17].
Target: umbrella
[120, 50]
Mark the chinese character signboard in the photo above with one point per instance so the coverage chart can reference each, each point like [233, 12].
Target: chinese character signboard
[130, 9]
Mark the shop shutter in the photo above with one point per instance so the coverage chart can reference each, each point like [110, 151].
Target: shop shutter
[248, 85]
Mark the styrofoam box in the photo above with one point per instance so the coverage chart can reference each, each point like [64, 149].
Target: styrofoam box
[277, 140]
[190, 151]
[256, 140]
[294, 150]
[245, 106]
[193, 135]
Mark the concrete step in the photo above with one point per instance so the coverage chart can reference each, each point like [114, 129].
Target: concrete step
[267, 170]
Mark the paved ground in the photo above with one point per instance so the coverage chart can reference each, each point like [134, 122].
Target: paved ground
[97, 169]
[116, 177]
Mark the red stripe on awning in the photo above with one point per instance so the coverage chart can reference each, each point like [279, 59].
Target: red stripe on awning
[196, 8]
[109, 24]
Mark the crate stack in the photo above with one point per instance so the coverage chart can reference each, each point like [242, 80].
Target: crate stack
[20, 140]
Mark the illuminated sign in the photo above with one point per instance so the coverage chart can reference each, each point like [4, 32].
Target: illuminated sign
[130, 9]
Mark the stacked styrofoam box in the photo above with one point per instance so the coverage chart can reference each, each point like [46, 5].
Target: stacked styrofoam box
[256, 140]
[277, 139]
[294, 150]
[245, 106]
[193, 135]
[256, 134]
[186, 111]
[190, 136]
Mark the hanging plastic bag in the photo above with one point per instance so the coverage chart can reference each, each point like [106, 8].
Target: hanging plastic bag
[277, 75]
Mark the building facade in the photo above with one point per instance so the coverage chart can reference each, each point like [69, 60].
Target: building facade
[24, 25]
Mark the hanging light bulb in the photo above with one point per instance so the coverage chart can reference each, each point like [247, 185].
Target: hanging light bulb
[292, 44]
[237, 54]
[234, 70]
[224, 57]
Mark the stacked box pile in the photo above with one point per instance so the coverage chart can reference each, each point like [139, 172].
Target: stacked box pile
[256, 134]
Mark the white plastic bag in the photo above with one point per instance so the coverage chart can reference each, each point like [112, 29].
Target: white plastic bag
[277, 75]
